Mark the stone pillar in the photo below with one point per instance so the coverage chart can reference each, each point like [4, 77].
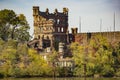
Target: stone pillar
[41, 43]
[51, 40]
[68, 37]
[61, 49]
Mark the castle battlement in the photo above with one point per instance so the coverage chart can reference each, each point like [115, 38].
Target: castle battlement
[36, 11]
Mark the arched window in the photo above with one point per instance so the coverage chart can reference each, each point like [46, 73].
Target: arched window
[58, 29]
[58, 21]
[62, 29]
[38, 36]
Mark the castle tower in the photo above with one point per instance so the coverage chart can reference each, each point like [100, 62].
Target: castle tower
[74, 30]
[35, 16]
[50, 28]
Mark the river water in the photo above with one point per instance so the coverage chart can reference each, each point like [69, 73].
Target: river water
[60, 79]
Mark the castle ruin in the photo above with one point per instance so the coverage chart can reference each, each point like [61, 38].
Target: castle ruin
[51, 32]
[50, 28]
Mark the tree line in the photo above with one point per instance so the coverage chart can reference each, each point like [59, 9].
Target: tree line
[17, 60]
[97, 57]
[102, 58]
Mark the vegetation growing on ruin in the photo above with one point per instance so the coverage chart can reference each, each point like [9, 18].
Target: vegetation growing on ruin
[100, 56]
[96, 57]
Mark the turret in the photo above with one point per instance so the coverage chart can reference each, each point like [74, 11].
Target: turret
[65, 11]
[35, 16]
[74, 30]
[35, 10]
[47, 11]
[56, 11]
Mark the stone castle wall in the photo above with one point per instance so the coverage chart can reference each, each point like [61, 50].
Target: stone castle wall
[111, 36]
[50, 27]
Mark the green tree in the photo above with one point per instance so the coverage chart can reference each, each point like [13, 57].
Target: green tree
[7, 59]
[97, 55]
[78, 56]
[13, 26]
[116, 59]
[52, 59]
[38, 66]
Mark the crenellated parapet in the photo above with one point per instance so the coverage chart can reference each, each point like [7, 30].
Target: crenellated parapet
[46, 13]
[65, 10]
[35, 10]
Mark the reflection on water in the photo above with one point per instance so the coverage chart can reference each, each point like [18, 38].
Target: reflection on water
[60, 79]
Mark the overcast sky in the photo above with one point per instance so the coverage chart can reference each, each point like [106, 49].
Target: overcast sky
[90, 11]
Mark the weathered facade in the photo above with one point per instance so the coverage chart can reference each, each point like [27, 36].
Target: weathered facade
[51, 32]
[50, 28]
